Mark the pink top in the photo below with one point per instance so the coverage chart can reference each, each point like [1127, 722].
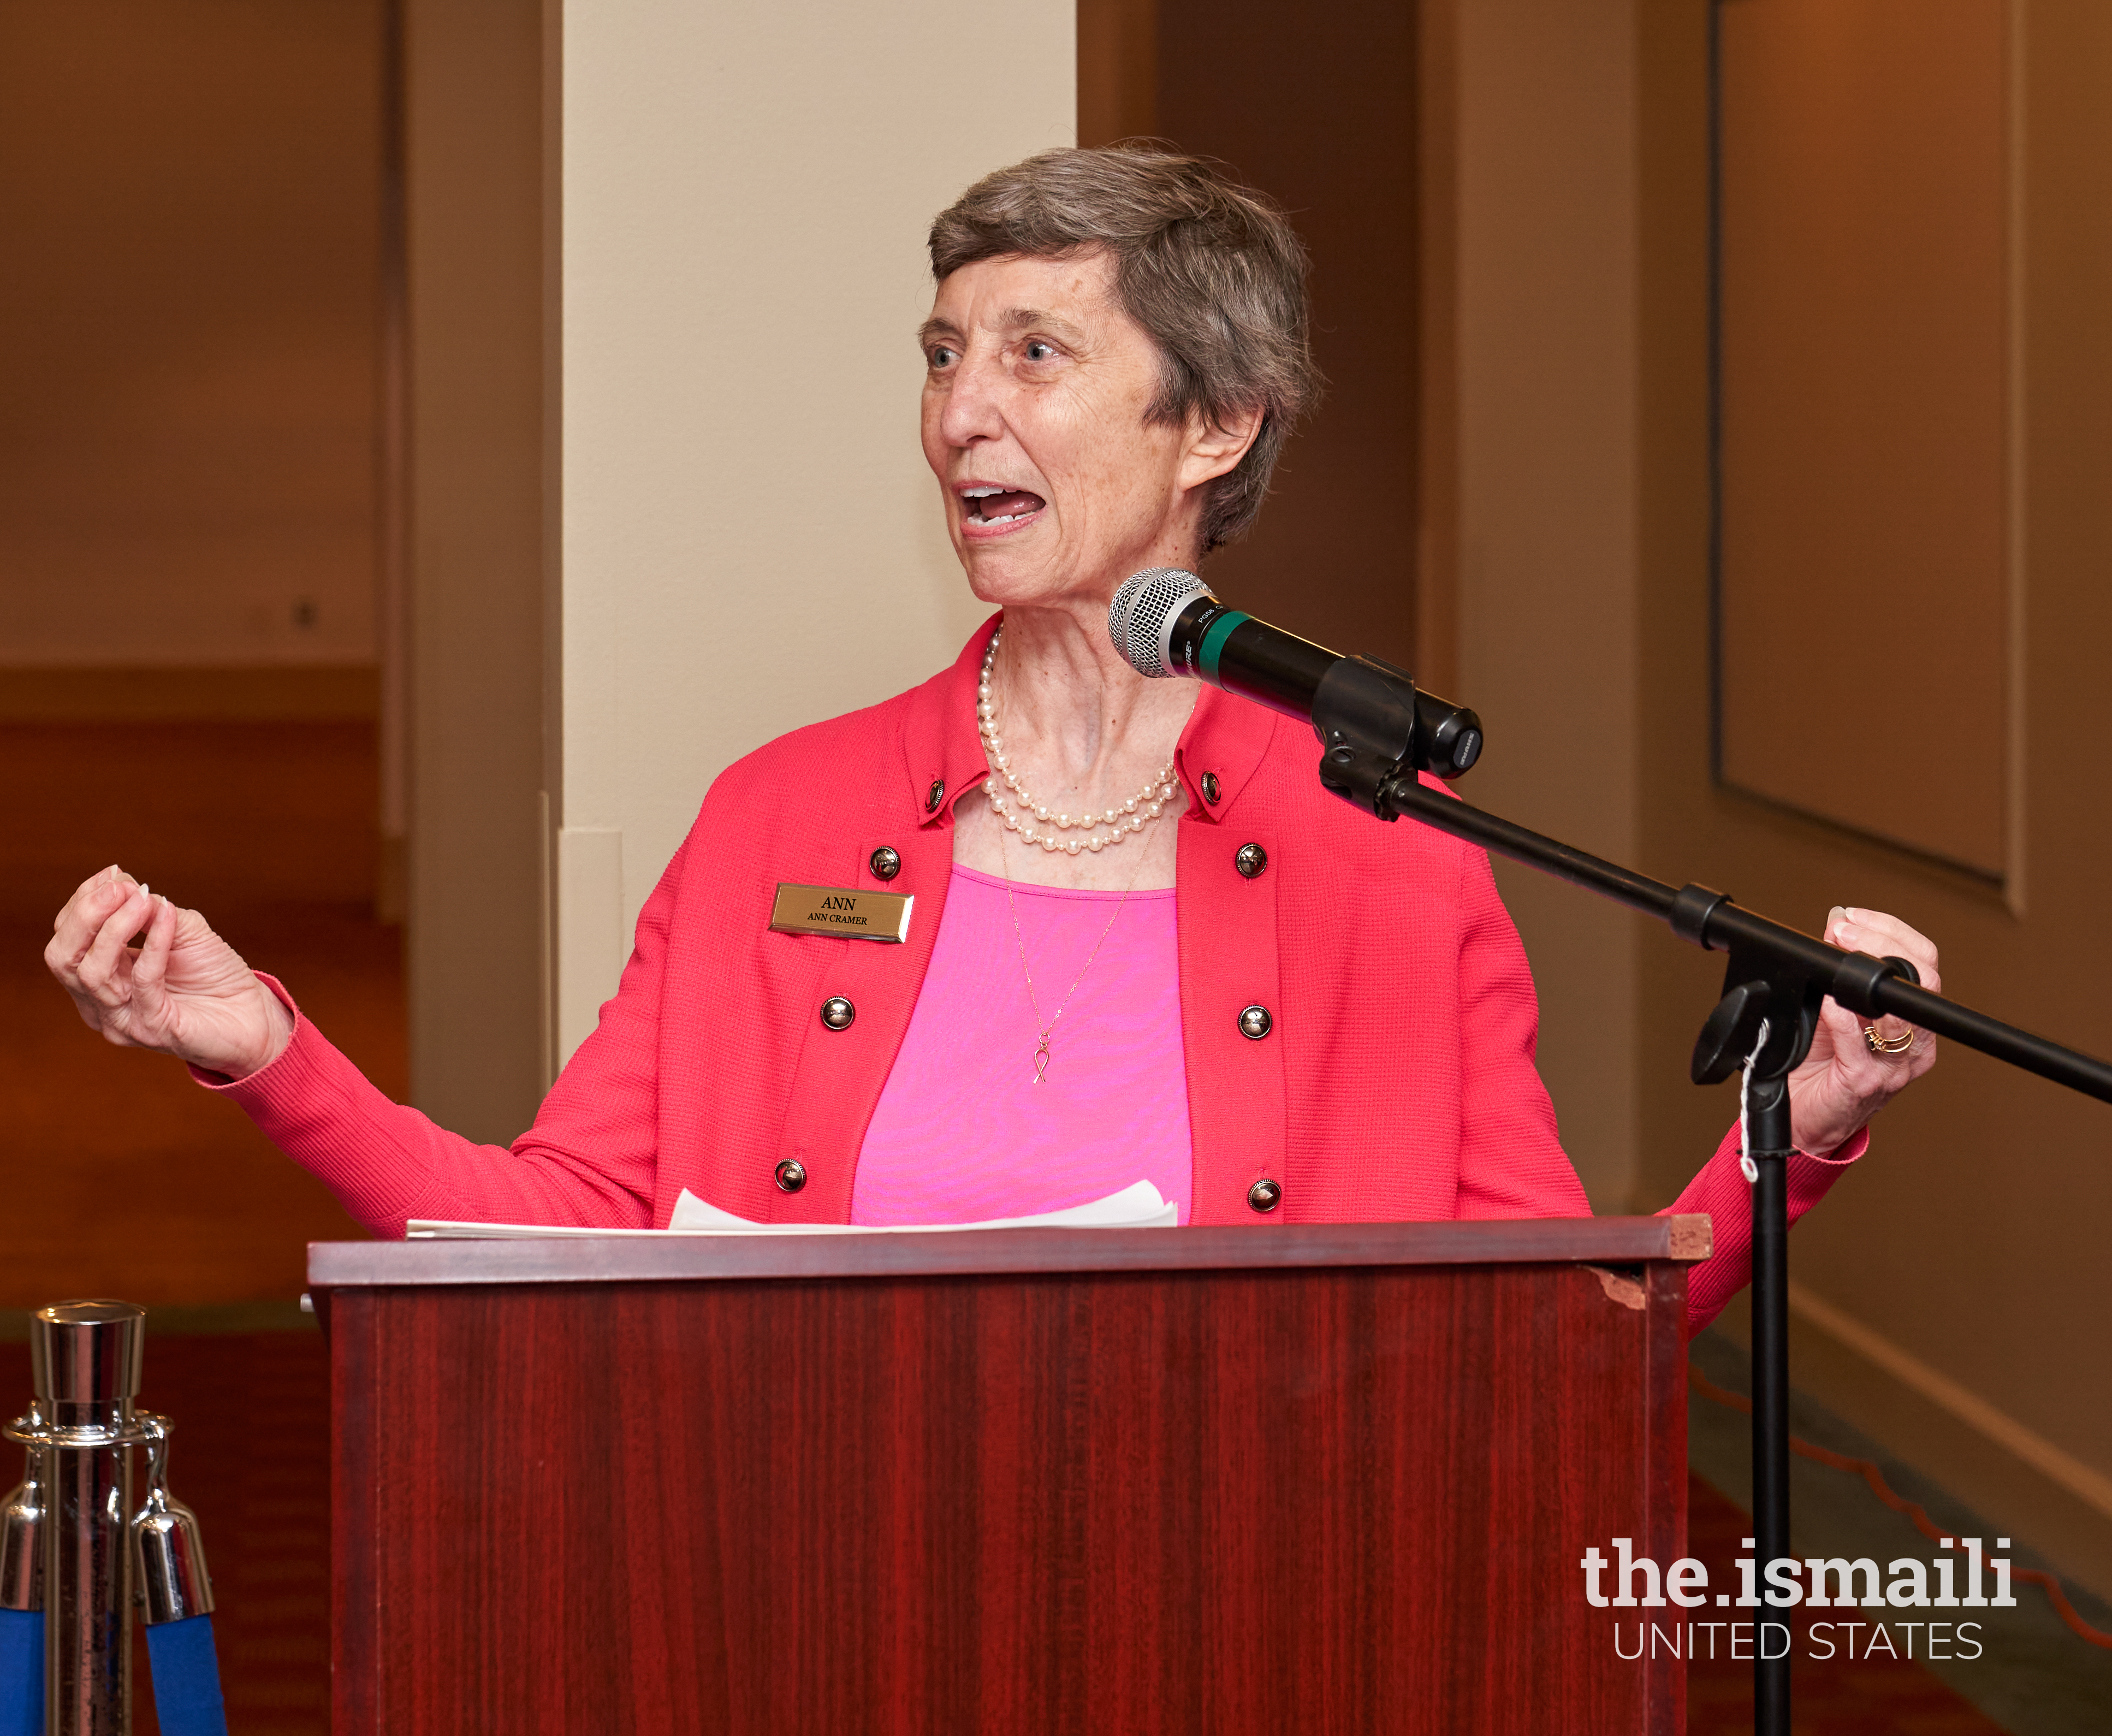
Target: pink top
[962, 1132]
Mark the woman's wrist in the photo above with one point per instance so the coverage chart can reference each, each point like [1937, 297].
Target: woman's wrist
[278, 1032]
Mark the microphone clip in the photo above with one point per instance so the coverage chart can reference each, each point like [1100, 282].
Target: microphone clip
[1364, 711]
[1374, 726]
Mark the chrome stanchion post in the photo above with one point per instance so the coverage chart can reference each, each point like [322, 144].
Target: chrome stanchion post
[22, 1525]
[22, 1530]
[22, 1518]
[85, 1359]
[176, 1599]
[73, 1548]
[173, 1585]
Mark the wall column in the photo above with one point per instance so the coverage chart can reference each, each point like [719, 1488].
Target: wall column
[750, 539]
[475, 258]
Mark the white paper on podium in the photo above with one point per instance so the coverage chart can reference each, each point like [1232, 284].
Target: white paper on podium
[1139, 1206]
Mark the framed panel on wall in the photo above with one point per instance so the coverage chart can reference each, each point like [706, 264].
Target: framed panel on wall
[1867, 557]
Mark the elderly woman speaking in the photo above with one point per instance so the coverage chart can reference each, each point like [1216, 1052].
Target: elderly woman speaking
[1138, 947]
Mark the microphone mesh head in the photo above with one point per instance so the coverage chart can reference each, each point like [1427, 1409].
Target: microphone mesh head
[1142, 615]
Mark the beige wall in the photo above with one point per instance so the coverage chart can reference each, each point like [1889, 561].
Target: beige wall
[1866, 352]
[1543, 262]
[750, 539]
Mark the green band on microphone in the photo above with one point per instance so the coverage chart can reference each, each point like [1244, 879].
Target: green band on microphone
[1214, 641]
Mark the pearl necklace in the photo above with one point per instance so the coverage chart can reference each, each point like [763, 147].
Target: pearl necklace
[1146, 805]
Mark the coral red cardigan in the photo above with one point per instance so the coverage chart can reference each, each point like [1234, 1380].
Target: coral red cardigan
[1397, 1080]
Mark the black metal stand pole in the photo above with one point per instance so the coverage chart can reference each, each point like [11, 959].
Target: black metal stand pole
[1767, 1119]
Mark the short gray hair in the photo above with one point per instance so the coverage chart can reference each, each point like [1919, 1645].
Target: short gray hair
[1212, 270]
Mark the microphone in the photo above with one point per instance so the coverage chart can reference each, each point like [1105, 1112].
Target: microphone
[1373, 721]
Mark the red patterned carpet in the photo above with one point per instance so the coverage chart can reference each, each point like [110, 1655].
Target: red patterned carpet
[1835, 1698]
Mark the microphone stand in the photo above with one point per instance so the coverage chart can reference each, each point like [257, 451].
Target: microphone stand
[1367, 715]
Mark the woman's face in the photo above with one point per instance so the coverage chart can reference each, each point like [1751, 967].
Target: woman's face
[1035, 388]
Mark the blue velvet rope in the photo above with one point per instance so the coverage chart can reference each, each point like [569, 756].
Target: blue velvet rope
[21, 1673]
[186, 1678]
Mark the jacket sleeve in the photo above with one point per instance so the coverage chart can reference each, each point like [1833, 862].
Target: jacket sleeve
[1721, 1190]
[1511, 1160]
[589, 1161]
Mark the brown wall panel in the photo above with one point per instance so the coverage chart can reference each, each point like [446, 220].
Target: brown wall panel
[189, 197]
[1118, 70]
[1970, 1236]
[1864, 291]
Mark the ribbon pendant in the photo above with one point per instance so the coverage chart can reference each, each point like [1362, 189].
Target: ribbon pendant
[1040, 1057]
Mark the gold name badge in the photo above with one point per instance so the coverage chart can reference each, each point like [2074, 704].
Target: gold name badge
[841, 910]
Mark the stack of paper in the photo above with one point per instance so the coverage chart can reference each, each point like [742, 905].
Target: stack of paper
[1138, 1206]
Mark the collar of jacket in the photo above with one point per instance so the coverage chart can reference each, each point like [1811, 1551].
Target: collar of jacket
[1225, 739]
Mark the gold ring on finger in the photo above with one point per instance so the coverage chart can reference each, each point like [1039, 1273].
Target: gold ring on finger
[1899, 1045]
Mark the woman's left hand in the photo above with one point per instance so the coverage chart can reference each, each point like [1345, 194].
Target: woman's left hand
[1843, 1082]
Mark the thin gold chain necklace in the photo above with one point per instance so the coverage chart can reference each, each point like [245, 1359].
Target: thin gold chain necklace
[1042, 1032]
[1130, 821]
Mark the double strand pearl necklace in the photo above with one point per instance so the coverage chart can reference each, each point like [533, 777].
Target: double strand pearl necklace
[1130, 818]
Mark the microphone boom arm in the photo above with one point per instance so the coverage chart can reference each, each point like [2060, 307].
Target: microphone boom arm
[1711, 920]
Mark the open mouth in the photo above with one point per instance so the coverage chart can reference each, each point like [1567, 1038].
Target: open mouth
[992, 505]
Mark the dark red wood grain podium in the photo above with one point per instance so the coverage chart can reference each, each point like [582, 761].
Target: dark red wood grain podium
[1289, 1478]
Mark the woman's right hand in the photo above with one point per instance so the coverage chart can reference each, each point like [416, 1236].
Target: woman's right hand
[185, 992]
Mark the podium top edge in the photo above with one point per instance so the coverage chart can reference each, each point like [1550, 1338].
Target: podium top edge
[589, 1260]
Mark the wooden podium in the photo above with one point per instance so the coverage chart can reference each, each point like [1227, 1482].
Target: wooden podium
[1282, 1479]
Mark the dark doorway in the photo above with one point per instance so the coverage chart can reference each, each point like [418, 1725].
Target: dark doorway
[1316, 108]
